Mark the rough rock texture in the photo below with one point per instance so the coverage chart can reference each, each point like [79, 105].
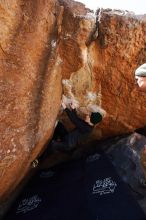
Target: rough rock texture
[43, 42]
[30, 84]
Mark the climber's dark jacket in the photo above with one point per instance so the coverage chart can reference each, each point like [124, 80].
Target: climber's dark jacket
[81, 131]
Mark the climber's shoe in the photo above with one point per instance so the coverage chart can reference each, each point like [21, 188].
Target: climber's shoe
[35, 163]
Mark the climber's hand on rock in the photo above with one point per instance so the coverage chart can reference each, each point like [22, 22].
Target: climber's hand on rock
[72, 105]
[63, 105]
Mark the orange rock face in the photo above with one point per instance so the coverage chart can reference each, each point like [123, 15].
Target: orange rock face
[30, 84]
[43, 42]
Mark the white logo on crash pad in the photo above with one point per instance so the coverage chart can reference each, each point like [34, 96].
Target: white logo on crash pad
[28, 204]
[104, 186]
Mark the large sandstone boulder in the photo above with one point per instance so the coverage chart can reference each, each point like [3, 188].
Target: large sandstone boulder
[43, 42]
[30, 84]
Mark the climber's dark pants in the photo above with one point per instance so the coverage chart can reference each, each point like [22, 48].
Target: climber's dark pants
[63, 140]
[141, 130]
[59, 146]
[58, 141]
[60, 132]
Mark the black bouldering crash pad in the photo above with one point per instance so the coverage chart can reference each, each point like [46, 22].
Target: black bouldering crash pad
[85, 189]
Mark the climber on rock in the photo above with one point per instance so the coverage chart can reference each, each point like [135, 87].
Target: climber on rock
[66, 141]
[83, 128]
